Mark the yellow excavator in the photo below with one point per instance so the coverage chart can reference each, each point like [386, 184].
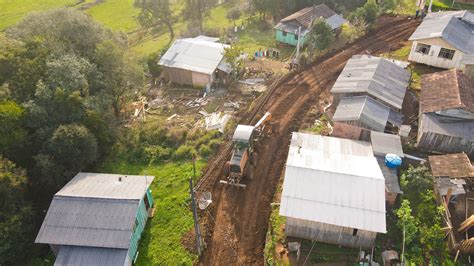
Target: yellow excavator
[244, 156]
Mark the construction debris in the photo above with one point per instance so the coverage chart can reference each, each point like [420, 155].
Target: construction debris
[216, 120]
[253, 81]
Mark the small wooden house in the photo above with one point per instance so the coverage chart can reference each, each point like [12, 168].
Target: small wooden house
[446, 113]
[454, 189]
[286, 31]
[98, 219]
[333, 191]
[443, 39]
[196, 62]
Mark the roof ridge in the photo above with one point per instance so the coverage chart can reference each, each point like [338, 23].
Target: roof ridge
[326, 171]
[341, 205]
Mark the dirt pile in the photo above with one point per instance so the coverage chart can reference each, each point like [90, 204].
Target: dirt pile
[236, 223]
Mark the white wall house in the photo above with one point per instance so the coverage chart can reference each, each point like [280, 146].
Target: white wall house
[444, 40]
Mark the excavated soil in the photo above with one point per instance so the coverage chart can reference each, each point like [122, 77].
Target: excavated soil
[234, 226]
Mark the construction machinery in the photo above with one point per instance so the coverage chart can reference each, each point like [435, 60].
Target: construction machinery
[244, 156]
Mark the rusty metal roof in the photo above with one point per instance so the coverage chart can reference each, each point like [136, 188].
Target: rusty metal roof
[446, 90]
[455, 165]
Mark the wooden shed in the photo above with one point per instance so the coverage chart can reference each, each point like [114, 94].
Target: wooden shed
[98, 219]
[195, 61]
[446, 113]
[333, 191]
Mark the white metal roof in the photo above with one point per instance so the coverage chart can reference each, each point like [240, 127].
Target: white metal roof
[90, 256]
[455, 27]
[95, 185]
[201, 54]
[333, 181]
[243, 133]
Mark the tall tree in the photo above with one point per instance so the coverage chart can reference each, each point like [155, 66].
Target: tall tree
[196, 10]
[320, 37]
[16, 215]
[155, 13]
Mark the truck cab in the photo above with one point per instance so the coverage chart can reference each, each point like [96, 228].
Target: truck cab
[243, 147]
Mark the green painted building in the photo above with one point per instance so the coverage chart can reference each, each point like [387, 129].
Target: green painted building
[286, 31]
[98, 219]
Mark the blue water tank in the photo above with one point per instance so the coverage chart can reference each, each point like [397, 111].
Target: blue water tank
[392, 160]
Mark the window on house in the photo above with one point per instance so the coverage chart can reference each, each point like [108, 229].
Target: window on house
[283, 33]
[354, 232]
[446, 53]
[423, 48]
[147, 202]
[296, 36]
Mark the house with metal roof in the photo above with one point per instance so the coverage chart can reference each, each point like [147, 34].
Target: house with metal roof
[97, 219]
[333, 191]
[446, 122]
[286, 31]
[443, 39]
[196, 61]
[369, 93]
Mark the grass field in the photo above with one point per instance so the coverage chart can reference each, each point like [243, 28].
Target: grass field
[161, 241]
[116, 14]
[11, 11]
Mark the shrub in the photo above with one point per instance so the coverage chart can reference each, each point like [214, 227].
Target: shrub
[214, 144]
[157, 152]
[205, 150]
[184, 152]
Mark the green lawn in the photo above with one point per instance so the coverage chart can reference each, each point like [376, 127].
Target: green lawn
[161, 241]
[116, 14]
[448, 4]
[11, 11]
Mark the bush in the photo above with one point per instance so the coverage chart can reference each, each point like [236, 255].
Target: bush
[214, 144]
[205, 150]
[184, 152]
[156, 152]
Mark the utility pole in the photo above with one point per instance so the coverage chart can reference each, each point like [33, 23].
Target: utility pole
[195, 216]
[431, 4]
[298, 46]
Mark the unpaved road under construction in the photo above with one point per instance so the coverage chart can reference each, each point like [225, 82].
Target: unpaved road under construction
[234, 226]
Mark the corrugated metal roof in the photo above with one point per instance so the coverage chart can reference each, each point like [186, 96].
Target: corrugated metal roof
[108, 186]
[334, 181]
[243, 133]
[383, 143]
[433, 123]
[363, 109]
[87, 256]
[335, 21]
[445, 184]
[391, 178]
[375, 76]
[455, 27]
[194, 54]
[88, 222]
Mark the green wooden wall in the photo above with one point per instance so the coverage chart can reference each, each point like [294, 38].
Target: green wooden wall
[140, 222]
[289, 38]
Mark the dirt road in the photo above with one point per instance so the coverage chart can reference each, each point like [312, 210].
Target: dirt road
[236, 223]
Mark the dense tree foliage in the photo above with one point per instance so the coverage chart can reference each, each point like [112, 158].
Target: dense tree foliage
[16, 214]
[64, 80]
[67, 77]
[320, 37]
[155, 13]
[421, 219]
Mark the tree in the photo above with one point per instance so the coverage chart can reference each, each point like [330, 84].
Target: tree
[72, 148]
[195, 11]
[155, 13]
[320, 37]
[407, 223]
[11, 130]
[16, 214]
[233, 14]
[370, 11]
[232, 56]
